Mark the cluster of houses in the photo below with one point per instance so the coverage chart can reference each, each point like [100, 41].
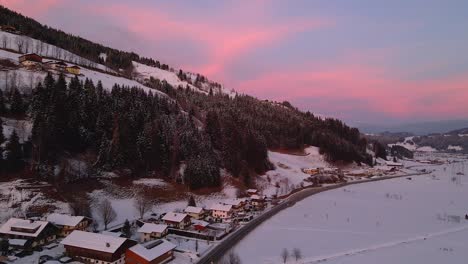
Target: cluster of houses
[111, 247]
[34, 61]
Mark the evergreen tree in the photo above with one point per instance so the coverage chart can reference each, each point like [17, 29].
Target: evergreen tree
[126, 229]
[17, 105]
[2, 103]
[13, 152]
[191, 201]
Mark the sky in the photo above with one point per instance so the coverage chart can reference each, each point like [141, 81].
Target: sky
[370, 61]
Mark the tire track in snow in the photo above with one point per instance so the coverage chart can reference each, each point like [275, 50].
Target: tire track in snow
[312, 260]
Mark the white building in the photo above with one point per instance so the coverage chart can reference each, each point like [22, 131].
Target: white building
[222, 211]
[68, 223]
[151, 231]
[195, 212]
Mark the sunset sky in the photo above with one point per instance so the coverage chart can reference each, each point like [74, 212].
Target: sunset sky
[373, 61]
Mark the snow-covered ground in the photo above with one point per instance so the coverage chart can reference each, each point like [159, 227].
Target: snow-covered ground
[16, 201]
[408, 143]
[24, 44]
[26, 80]
[421, 220]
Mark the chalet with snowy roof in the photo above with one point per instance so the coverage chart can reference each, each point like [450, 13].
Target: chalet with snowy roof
[73, 69]
[177, 220]
[28, 234]
[153, 252]
[258, 201]
[222, 211]
[56, 65]
[68, 223]
[195, 212]
[237, 204]
[9, 29]
[96, 248]
[30, 60]
[151, 231]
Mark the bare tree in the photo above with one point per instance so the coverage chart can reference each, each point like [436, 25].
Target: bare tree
[143, 205]
[4, 41]
[297, 254]
[80, 207]
[19, 44]
[231, 258]
[27, 44]
[106, 212]
[285, 255]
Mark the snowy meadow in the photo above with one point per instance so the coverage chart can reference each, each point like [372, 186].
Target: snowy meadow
[407, 220]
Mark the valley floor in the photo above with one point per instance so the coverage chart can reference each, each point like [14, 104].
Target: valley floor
[421, 220]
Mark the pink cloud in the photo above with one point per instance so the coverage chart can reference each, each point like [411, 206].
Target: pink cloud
[31, 8]
[223, 42]
[382, 92]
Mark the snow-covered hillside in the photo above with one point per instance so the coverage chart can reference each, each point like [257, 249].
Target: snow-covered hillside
[26, 79]
[24, 44]
[144, 72]
[408, 143]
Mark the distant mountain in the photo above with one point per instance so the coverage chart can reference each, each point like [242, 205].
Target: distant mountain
[417, 128]
[462, 131]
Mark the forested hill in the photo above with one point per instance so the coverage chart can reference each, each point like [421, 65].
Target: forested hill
[187, 136]
[120, 61]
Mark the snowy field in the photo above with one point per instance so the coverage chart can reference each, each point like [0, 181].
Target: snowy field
[393, 221]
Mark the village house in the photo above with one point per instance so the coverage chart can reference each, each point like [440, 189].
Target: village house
[177, 220]
[30, 60]
[237, 204]
[73, 69]
[56, 65]
[96, 248]
[9, 29]
[154, 252]
[195, 212]
[222, 211]
[257, 201]
[151, 231]
[68, 223]
[311, 171]
[28, 234]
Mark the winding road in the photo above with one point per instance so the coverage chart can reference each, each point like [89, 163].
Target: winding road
[216, 253]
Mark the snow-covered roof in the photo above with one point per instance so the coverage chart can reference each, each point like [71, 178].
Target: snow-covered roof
[256, 197]
[114, 234]
[153, 249]
[174, 217]
[152, 228]
[252, 190]
[65, 220]
[200, 222]
[221, 207]
[93, 241]
[391, 163]
[35, 227]
[234, 202]
[193, 209]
